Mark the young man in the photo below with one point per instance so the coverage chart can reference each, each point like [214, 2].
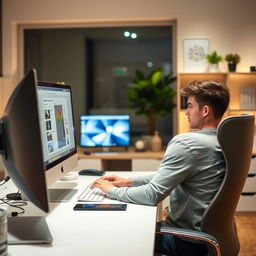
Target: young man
[191, 171]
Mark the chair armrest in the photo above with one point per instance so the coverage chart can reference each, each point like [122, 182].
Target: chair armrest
[192, 234]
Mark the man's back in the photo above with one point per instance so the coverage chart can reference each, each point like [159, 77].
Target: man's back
[200, 167]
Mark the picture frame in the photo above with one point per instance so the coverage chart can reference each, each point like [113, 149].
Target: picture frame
[194, 51]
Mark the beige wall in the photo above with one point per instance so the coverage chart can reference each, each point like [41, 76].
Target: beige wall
[229, 25]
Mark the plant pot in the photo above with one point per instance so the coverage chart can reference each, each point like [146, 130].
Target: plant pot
[213, 68]
[231, 67]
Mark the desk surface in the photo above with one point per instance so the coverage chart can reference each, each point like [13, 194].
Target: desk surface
[92, 233]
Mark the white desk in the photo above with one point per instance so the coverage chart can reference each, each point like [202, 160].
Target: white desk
[78, 233]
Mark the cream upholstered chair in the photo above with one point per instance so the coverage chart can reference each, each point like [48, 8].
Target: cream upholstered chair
[235, 135]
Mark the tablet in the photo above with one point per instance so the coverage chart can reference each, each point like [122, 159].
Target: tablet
[100, 207]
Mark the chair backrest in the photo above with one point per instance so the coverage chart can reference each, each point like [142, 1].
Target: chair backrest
[235, 135]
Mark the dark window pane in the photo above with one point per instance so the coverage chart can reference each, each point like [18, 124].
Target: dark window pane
[98, 63]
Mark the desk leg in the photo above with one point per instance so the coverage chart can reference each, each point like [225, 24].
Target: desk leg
[116, 165]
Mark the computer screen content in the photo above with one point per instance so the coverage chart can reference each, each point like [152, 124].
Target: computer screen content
[57, 129]
[104, 130]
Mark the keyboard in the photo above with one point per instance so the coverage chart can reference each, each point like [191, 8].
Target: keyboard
[91, 195]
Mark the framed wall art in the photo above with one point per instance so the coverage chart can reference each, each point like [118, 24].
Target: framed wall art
[194, 53]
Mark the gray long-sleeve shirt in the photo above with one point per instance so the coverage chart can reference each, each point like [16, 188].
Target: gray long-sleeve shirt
[191, 172]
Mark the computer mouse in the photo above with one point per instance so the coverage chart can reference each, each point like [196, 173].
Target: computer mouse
[91, 172]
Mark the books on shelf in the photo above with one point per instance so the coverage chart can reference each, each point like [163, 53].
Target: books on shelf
[248, 97]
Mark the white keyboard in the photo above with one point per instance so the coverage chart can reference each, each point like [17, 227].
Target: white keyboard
[91, 195]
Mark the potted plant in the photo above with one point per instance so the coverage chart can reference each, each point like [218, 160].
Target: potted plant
[213, 59]
[232, 60]
[152, 96]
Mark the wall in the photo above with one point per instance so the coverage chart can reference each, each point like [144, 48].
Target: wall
[65, 64]
[229, 25]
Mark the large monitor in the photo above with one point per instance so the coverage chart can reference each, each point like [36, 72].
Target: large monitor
[37, 137]
[57, 129]
[104, 131]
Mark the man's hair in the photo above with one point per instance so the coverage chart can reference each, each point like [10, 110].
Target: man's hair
[211, 93]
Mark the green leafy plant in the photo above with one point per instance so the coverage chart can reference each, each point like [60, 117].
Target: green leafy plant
[213, 58]
[151, 95]
[232, 58]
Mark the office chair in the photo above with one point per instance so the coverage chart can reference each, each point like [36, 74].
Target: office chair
[218, 229]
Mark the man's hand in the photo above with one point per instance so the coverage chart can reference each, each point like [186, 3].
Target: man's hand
[117, 181]
[104, 185]
[110, 181]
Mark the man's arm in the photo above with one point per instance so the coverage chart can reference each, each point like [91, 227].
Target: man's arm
[110, 181]
[174, 168]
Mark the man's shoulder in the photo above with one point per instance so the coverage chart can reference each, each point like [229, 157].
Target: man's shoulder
[182, 140]
[183, 136]
[194, 137]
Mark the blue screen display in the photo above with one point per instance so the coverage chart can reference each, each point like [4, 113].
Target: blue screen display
[104, 130]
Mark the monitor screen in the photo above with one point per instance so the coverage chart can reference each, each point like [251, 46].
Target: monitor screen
[57, 129]
[104, 130]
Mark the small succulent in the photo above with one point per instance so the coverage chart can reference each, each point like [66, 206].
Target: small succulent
[232, 58]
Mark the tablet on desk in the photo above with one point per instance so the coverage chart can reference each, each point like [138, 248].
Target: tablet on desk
[100, 207]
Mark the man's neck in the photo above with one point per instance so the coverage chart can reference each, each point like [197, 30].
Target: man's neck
[213, 124]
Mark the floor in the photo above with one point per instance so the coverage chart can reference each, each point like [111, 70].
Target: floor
[246, 226]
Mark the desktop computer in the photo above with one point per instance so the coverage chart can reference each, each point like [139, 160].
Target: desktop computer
[57, 129]
[104, 132]
[37, 142]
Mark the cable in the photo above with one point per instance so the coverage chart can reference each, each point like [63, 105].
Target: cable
[17, 205]
[13, 196]
[5, 180]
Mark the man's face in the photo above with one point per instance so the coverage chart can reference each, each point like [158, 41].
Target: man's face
[194, 113]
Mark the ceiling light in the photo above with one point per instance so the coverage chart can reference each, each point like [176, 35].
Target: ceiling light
[133, 35]
[126, 33]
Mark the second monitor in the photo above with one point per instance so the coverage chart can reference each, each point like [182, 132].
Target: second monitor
[104, 131]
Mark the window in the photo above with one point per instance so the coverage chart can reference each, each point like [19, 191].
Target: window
[99, 63]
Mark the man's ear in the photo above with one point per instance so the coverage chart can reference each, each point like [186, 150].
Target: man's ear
[206, 110]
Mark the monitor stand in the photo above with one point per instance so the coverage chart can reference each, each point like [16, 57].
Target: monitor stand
[64, 190]
[61, 194]
[28, 230]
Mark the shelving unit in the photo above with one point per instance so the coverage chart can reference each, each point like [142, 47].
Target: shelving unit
[235, 82]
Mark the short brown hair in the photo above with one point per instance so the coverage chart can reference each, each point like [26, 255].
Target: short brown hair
[207, 92]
